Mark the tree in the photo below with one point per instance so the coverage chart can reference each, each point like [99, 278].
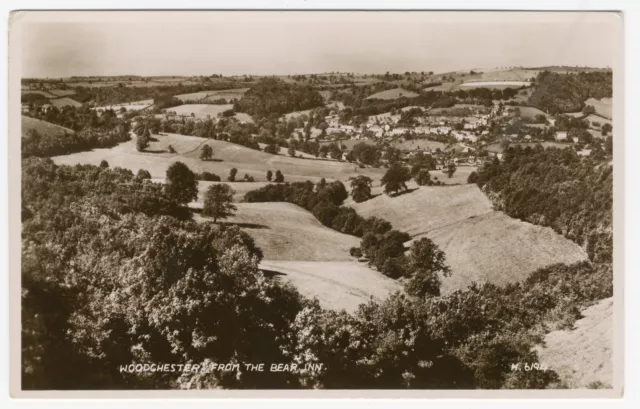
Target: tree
[104, 164]
[451, 169]
[271, 148]
[395, 178]
[143, 174]
[425, 264]
[606, 128]
[423, 177]
[218, 202]
[361, 188]
[232, 175]
[291, 151]
[269, 175]
[142, 141]
[171, 149]
[279, 177]
[588, 110]
[473, 177]
[206, 153]
[181, 183]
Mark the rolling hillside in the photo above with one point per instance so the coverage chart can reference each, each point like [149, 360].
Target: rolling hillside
[480, 244]
[314, 258]
[393, 94]
[337, 284]
[156, 159]
[427, 208]
[42, 127]
[583, 356]
[497, 249]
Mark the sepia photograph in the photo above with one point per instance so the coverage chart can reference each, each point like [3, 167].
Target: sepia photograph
[244, 202]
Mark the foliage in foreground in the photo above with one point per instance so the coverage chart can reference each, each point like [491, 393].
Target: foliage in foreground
[108, 282]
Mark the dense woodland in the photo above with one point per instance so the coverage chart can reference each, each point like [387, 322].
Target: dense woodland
[272, 98]
[159, 93]
[556, 188]
[556, 93]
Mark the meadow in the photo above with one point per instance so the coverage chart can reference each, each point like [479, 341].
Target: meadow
[208, 96]
[481, 245]
[603, 106]
[336, 284]
[393, 94]
[202, 111]
[42, 127]
[156, 159]
[583, 355]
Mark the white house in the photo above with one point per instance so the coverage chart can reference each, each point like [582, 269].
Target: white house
[561, 136]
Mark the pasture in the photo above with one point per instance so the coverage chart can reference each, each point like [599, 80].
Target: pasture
[285, 231]
[63, 102]
[480, 244]
[336, 284]
[129, 106]
[39, 92]
[42, 127]
[583, 354]
[156, 159]
[495, 248]
[530, 112]
[603, 106]
[208, 96]
[393, 94]
[418, 144]
[427, 208]
[285, 152]
[62, 92]
[202, 111]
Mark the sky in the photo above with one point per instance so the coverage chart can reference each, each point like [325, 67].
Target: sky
[63, 44]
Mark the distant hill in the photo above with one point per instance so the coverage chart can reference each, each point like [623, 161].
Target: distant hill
[393, 94]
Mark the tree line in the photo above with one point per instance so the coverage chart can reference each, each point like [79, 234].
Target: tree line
[556, 188]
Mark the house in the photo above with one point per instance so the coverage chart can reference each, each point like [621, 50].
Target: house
[494, 150]
[25, 108]
[561, 136]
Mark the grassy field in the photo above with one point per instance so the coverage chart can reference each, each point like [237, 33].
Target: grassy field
[39, 92]
[42, 127]
[418, 144]
[62, 92]
[336, 284]
[129, 106]
[156, 159]
[596, 118]
[296, 114]
[480, 244]
[285, 152]
[285, 231]
[427, 208]
[498, 249]
[350, 143]
[584, 354]
[393, 94]
[603, 107]
[64, 101]
[530, 112]
[213, 95]
[200, 110]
